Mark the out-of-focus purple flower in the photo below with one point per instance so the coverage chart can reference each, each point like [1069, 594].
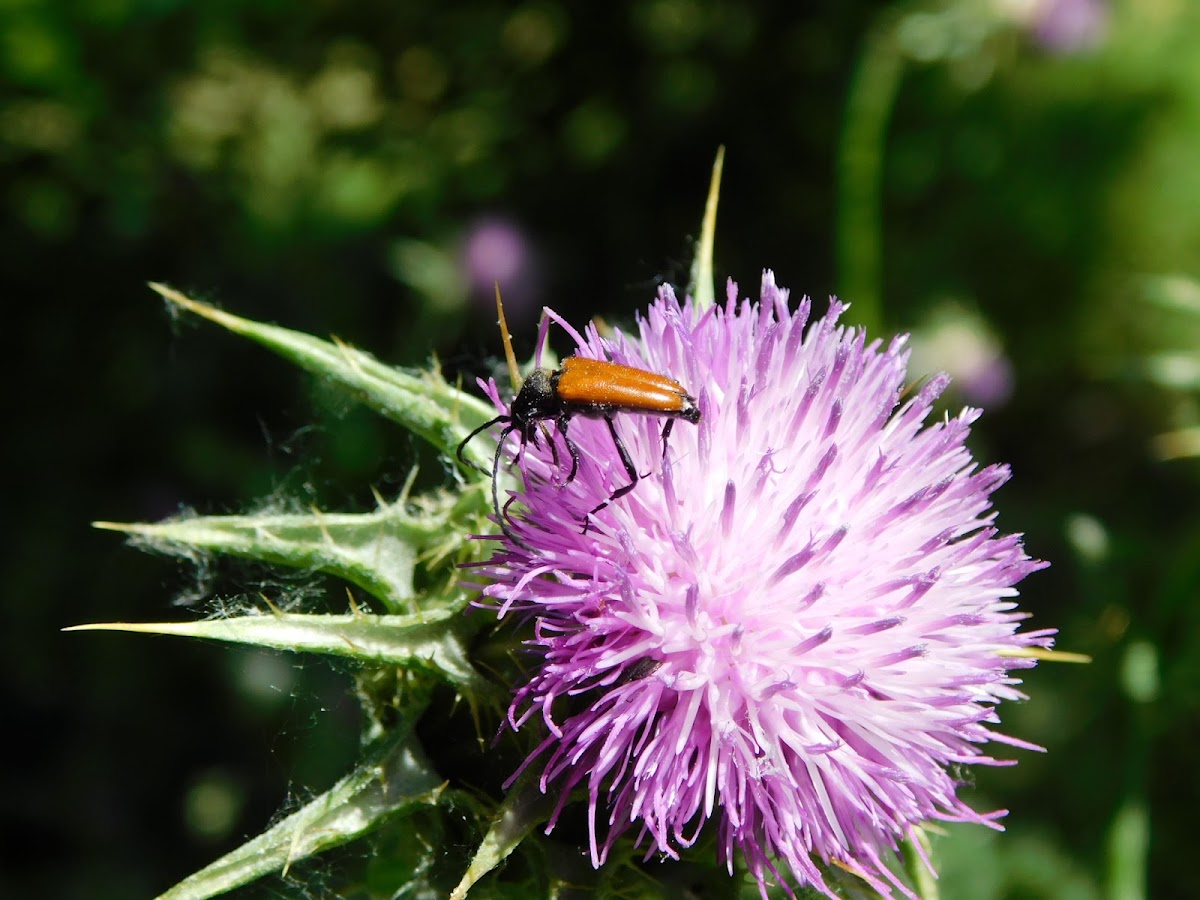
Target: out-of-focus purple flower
[1068, 26]
[961, 342]
[495, 251]
[796, 625]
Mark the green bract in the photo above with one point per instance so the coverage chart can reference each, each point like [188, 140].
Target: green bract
[422, 638]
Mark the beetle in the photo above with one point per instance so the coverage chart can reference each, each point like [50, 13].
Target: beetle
[593, 388]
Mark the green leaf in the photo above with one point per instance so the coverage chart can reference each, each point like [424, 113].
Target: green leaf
[858, 235]
[393, 777]
[428, 640]
[1177, 293]
[423, 402]
[1171, 370]
[376, 551]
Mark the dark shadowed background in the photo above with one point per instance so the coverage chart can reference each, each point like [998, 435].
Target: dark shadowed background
[369, 169]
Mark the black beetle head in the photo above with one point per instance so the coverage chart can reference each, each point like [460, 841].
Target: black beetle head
[537, 400]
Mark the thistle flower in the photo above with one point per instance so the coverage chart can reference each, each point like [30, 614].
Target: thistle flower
[796, 625]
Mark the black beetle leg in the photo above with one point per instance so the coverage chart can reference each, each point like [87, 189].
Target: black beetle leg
[666, 433]
[572, 447]
[630, 470]
[553, 446]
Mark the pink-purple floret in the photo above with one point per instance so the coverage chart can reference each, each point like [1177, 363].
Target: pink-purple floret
[793, 626]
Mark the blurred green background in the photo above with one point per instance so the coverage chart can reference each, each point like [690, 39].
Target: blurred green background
[1015, 181]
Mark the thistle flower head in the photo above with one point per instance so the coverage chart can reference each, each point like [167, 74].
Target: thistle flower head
[795, 625]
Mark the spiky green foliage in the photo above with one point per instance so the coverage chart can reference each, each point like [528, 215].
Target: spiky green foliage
[401, 657]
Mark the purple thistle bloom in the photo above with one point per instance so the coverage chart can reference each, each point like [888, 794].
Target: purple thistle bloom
[795, 625]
